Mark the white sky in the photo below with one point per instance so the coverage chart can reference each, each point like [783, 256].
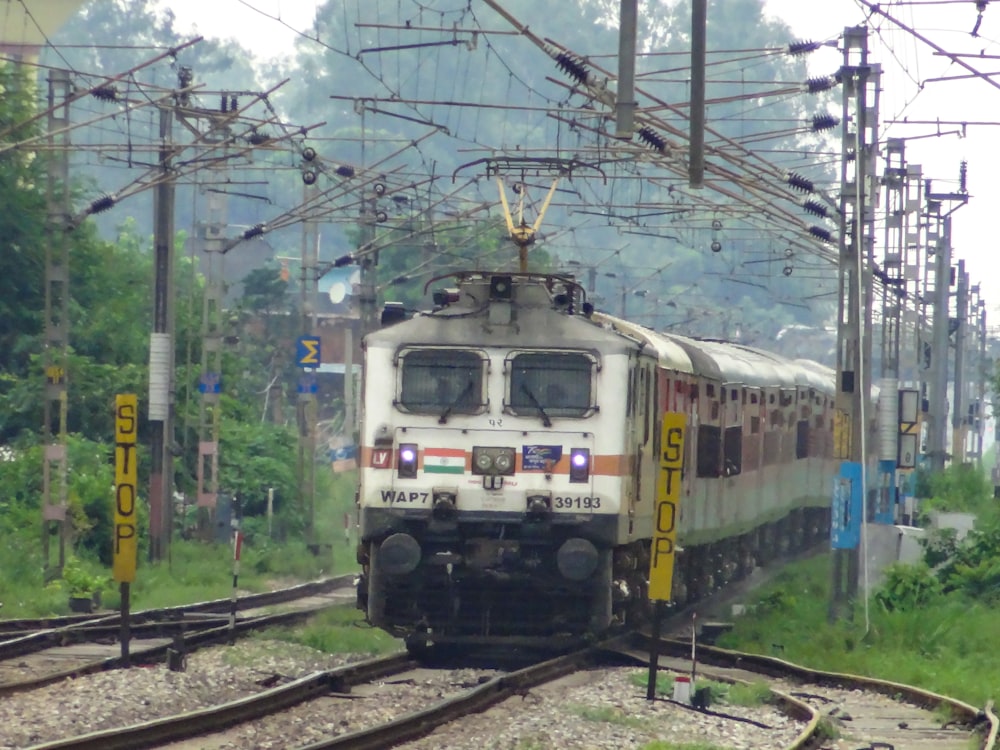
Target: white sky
[906, 62]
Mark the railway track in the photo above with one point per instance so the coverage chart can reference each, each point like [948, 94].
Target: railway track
[857, 708]
[882, 714]
[824, 710]
[62, 649]
[461, 700]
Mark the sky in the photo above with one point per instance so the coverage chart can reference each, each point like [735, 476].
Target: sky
[907, 92]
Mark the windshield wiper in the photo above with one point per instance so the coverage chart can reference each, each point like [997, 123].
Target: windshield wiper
[443, 419]
[546, 422]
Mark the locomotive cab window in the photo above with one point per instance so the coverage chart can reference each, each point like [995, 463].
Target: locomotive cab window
[551, 384]
[441, 381]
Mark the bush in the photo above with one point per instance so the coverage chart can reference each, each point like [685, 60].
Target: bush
[908, 587]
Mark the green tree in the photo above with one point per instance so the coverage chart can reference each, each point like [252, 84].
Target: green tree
[22, 235]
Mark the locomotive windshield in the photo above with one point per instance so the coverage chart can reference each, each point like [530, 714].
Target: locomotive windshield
[550, 384]
[442, 381]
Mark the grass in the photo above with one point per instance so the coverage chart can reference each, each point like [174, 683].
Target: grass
[339, 630]
[946, 648]
[609, 715]
[735, 694]
[195, 570]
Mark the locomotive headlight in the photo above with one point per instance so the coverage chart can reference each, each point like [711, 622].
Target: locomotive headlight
[504, 463]
[406, 465]
[493, 460]
[579, 465]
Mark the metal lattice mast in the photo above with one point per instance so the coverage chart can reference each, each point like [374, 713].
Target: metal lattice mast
[960, 387]
[57, 293]
[211, 236]
[307, 404]
[978, 367]
[857, 196]
[893, 293]
[934, 350]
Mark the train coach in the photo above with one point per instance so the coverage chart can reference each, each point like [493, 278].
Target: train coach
[510, 444]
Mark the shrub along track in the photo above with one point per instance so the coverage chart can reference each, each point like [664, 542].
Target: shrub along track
[69, 647]
[863, 709]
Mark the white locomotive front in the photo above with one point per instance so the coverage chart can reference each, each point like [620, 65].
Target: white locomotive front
[493, 465]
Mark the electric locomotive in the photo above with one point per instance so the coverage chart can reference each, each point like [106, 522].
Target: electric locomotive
[509, 450]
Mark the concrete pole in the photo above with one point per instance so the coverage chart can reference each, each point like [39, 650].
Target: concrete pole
[696, 141]
[625, 106]
[161, 350]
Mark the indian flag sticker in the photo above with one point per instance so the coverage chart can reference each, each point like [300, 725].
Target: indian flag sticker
[444, 461]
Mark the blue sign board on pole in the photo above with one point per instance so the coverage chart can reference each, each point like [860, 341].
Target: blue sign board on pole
[307, 352]
[308, 383]
[845, 524]
[210, 382]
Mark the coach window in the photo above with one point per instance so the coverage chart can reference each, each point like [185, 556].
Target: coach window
[441, 381]
[556, 383]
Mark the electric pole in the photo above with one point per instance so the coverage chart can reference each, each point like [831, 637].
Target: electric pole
[161, 341]
[938, 283]
[858, 151]
[307, 406]
[56, 348]
[959, 386]
[210, 234]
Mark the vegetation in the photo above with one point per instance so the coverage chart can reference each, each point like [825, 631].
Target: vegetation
[337, 631]
[929, 624]
[733, 694]
[609, 715]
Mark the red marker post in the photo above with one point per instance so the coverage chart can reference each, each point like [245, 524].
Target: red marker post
[237, 548]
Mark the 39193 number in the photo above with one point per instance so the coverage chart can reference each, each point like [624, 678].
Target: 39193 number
[579, 502]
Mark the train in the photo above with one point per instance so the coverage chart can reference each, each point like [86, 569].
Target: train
[510, 445]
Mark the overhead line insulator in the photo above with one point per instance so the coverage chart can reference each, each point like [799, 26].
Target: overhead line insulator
[820, 233]
[798, 182]
[821, 83]
[824, 122]
[803, 47]
[104, 203]
[651, 138]
[105, 93]
[816, 208]
[573, 67]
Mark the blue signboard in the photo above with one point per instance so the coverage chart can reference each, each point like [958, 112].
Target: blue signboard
[344, 457]
[845, 523]
[307, 351]
[210, 382]
[308, 383]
